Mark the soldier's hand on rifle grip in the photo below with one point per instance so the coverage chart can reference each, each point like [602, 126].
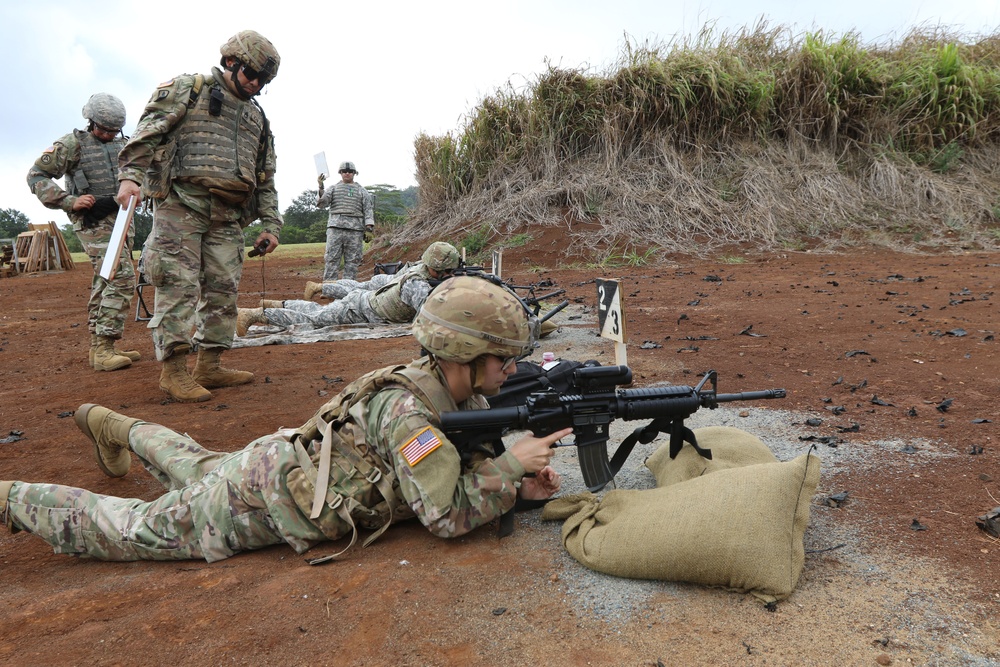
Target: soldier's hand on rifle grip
[535, 453]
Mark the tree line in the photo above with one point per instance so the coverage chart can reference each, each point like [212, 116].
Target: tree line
[304, 223]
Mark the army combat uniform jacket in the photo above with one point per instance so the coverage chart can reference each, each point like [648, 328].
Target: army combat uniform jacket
[89, 165]
[351, 206]
[220, 161]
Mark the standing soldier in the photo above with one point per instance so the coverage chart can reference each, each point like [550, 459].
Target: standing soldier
[89, 161]
[204, 152]
[352, 215]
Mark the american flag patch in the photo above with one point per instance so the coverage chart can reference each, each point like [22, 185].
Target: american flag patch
[422, 444]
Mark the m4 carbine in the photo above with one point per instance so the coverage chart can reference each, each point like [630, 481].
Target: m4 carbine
[591, 404]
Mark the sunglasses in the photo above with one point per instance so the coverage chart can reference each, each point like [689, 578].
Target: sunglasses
[264, 76]
[105, 130]
[507, 361]
[347, 171]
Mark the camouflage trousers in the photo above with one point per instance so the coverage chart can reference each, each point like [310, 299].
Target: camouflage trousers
[195, 264]
[109, 299]
[355, 308]
[217, 504]
[346, 244]
[338, 289]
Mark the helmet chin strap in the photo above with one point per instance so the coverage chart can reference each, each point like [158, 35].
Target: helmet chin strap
[233, 71]
[477, 371]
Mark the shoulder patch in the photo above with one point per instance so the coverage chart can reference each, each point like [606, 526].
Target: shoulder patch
[420, 445]
[169, 82]
[162, 95]
[50, 149]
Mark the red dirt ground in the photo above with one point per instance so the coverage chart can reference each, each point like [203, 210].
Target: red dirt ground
[847, 328]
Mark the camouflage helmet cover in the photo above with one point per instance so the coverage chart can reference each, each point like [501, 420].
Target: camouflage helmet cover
[466, 317]
[441, 256]
[253, 49]
[106, 110]
[347, 166]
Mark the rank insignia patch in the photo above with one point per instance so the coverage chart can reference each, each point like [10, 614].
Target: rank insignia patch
[422, 444]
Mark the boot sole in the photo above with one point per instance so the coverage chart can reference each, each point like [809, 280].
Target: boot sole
[114, 367]
[81, 421]
[200, 399]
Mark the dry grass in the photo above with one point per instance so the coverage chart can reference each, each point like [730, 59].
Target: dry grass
[758, 137]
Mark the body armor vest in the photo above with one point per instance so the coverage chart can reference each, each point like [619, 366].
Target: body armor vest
[347, 200]
[387, 301]
[220, 151]
[350, 484]
[99, 164]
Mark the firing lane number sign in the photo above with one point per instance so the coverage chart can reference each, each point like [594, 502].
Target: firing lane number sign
[610, 317]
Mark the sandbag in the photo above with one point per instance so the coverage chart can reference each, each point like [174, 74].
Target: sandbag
[731, 448]
[738, 527]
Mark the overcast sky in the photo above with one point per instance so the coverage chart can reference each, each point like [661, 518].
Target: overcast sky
[359, 80]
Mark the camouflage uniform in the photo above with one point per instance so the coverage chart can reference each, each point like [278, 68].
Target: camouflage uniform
[219, 504]
[90, 167]
[220, 179]
[338, 289]
[397, 301]
[351, 211]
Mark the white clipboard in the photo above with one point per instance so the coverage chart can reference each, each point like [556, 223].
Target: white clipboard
[321, 166]
[118, 235]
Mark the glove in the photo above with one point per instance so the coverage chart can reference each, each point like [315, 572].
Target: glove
[101, 209]
[369, 234]
[320, 179]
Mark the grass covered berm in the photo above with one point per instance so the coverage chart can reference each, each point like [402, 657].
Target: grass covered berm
[762, 137]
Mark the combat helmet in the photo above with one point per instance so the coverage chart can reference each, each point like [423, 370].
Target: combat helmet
[347, 166]
[255, 52]
[466, 317]
[441, 256]
[105, 110]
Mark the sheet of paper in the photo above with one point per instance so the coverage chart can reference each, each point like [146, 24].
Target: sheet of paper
[118, 235]
[321, 167]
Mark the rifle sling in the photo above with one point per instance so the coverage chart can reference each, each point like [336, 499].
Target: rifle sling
[506, 526]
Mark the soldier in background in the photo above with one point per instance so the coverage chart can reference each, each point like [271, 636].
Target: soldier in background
[204, 152]
[372, 456]
[396, 302]
[352, 218]
[89, 161]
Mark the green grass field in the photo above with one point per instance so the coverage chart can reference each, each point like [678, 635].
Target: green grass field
[303, 250]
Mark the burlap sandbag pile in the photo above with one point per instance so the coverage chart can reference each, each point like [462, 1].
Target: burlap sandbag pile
[736, 521]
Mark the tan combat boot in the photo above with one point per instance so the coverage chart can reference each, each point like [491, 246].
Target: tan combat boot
[109, 432]
[270, 303]
[105, 357]
[176, 381]
[133, 355]
[247, 317]
[209, 373]
[312, 289]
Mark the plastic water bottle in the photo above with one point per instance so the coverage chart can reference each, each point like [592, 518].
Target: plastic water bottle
[548, 360]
